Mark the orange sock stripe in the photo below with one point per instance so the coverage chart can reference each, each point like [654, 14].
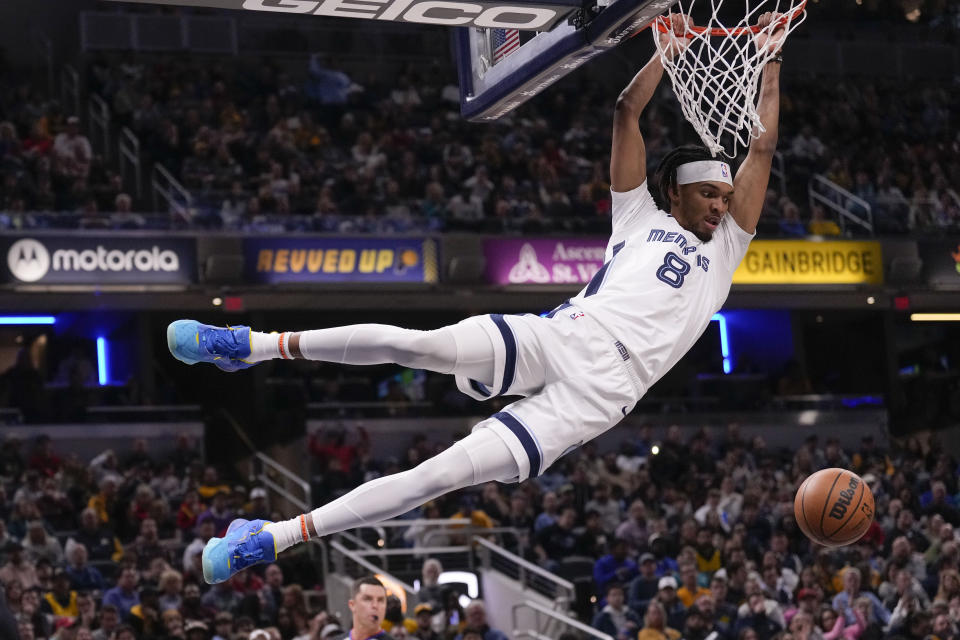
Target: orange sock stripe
[283, 353]
[303, 527]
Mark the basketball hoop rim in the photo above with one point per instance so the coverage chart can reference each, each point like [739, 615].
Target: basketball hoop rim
[662, 25]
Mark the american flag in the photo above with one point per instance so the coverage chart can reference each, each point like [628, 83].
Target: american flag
[505, 41]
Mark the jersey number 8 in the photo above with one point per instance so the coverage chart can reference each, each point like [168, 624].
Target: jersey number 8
[673, 270]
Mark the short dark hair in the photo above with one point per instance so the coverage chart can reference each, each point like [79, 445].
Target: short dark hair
[666, 174]
[614, 585]
[359, 582]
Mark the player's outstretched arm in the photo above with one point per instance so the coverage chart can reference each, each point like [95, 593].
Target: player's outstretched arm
[750, 183]
[628, 157]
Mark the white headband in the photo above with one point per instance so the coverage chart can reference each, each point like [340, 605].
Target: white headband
[704, 170]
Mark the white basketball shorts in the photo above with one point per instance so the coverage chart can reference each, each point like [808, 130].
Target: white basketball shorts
[578, 381]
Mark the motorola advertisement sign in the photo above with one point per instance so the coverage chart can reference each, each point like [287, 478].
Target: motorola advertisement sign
[97, 260]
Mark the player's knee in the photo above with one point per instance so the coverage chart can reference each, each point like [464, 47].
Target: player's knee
[436, 477]
[425, 347]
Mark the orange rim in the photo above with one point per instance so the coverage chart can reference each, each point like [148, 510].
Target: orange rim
[663, 26]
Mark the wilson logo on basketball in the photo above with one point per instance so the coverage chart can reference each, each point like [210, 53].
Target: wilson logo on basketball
[839, 508]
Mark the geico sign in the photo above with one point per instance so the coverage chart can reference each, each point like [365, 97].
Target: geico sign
[422, 11]
[29, 260]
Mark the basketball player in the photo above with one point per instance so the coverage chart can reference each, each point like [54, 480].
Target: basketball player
[581, 369]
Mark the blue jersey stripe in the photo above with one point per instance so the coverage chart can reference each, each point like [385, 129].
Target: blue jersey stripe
[563, 306]
[510, 343]
[526, 440]
[480, 388]
[597, 280]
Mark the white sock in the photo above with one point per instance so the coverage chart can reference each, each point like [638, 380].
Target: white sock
[264, 346]
[286, 533]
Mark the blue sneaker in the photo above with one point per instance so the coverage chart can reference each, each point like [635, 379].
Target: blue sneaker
[245, 544]
[227, 347]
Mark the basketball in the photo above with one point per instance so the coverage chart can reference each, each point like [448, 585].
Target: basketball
[834, 507]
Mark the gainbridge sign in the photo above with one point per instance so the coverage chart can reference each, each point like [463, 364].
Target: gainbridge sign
[811, 262]
[324, 260]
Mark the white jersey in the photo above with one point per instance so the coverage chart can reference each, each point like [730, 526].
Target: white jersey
[660, 284]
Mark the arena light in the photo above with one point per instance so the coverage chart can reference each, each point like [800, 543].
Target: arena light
[103, 364]
[19, 320]
[724, 341]
[935, 317]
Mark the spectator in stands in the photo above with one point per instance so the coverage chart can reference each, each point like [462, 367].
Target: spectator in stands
[72, 152]
[592, 540]
[689, 590]
[758, 619]
[18, 567]
[271, 594]
[221, 597]
[634, 528]
[658, 547]
[190, 509]
[11, 459]
[100, 541]
[139, 509]
[218, 513]
[790, 223]
[44, 460]
[125, 595]
[257, 508]
[191, 555]
[223, 626]
[109, 621]
[655, 625]
[145, 616]
[616, 566]
[644, 587]
[550, 512]
[940, 503]
[611, 513]
[196, 630]
[843, 602]
[394, 620]
[423, 614]
[104, 503]
[820, 225]
[170, 586]
[431, 591]
[86, 609]
[55, 506]
[38, 544]
[193, 607]
[368, 603]
[476, 618]
[61, 601]
[557, 540]
[148, 546]
[211, 485]
[171, 624]
[616, 618]
[673, 609]
[83, 577]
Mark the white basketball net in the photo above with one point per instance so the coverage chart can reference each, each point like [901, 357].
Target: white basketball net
[717, 76]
